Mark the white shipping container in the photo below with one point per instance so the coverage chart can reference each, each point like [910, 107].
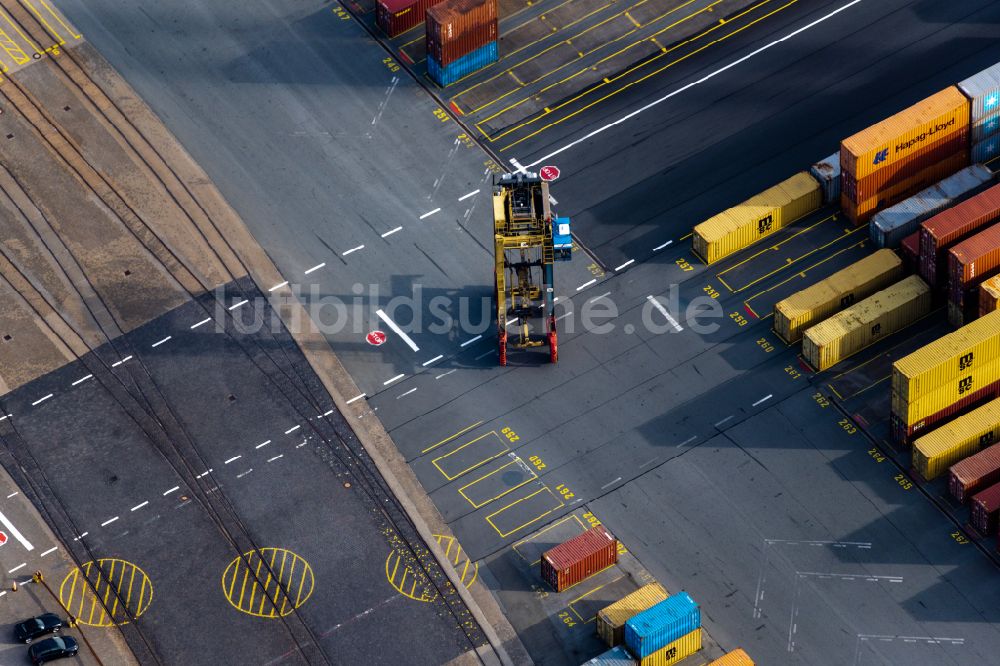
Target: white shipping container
[984, 151]
[983, 89]
[827, 172]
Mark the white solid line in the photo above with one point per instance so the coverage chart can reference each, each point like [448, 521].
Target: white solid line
[764, 399]
[139, 506]
[234, 458]
[470, 194]
[17, 533]
[446, 373]
[316, 268]
[626, 264]
[470, 341]
[397, 330]
[50, 550]
[606, 485]
[82, 380]
[429, 213]
[292, 429]
[41, 400]
[389, 381]
[433, 360]
[109, 521]
[157, 344]
[391, 232]
[692, 84]
[19, 566]
[407, 393]
[355, 398]
[171, 490]
[660, 247]
[597, 298]
[200, 323]
[262, 444]
[586, 284]
[236, 305]
[12, 494]
[280, 455]
[278, 286]
[665, 313]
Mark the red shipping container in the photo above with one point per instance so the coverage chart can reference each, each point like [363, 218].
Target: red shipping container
[579, 558]
[395, 17]
[969, 476]
[903, 433]
[910, 250]
[972, 261]
[954, 147]
[458, 27]
[951, 226]
[986, 510]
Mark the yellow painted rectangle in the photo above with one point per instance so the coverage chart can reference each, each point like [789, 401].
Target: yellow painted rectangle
[759, 216]
[737, 657]
[938, 450]
[884, 313]
[611, 619]
[795, 314]
[470, 455]
[947, 358]
[523, 512]
[671, 653]
[531, 548]
[493, 485]
[947, 394]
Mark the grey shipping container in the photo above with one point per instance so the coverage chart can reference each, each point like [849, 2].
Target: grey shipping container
[889, 227]
[983, 89]
[827, 172]
[986, 150]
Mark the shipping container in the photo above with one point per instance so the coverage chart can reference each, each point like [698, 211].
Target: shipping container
[662, 624]
[979, 471]
[909, 249]
[906, 174]
[947, 358]
[678, 650]
[896, 138]
[983, 90]
[735, 658]
[617, 656]
[865, 323]
[972, 261]
[795, 314]
[974, 378]
[889, 227]
[455, 28]
[989, 295]
[757, 217]
[986, 150]
[951, 226]
[394, 17]
[611, 619]
[579, 558]
[985, 509]
[903, 432]
[938, 450]
[445, 75]
[827, 172]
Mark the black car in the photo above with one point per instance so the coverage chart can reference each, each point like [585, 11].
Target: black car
[53, 648]
[29, 630]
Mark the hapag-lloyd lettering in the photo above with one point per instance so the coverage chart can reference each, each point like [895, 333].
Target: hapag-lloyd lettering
[923, 136]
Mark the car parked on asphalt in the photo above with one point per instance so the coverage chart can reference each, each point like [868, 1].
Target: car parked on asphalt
[53, 648]
[32, 628]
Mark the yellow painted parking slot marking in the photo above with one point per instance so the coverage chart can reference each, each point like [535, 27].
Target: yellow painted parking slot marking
[544, 489]
[811, 252]
[830, 386]
[104, 594]
[291, 589]
[774, 247]
[804, 271]
[18, 30]
[461, 491]
[587, 594]
[420, 588]
[479, 462]
[539, 533]
[48, 26]
[60, 19]
[872, 385]
[456, 435]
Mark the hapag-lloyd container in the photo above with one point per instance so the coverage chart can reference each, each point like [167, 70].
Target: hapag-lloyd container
[737, 657]
[897, 177]
[674, 652]
[951, 226]
[909, 249]
[972, 261]
[611, 619]
[579, 558]
[889, 227]
[445, 75]
[983, 90]
[968, 477]
[989, 295]
[795, 314]
[883, 313]
[898, 137]
[827, 172]
[662, 624]
[987, 149]
[456, 28]
[938, 450]
[395, 17]
[985, 509]
[903, 432]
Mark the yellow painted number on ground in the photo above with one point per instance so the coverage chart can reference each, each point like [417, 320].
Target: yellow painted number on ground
[792, 372]
[848, 427]
[537, 462]
[466, 140]
[903, 482]
[765, 345]
[440, 114]
[684, 264]
[595, 270]
[493, 166]
[738, 318]
[567, 620]
[710, 291]
[342, 13]
[820, 400]
[564, 491]
[592, 519]
[876, 455]
[959, 537]
[510, 434]
[393, 67]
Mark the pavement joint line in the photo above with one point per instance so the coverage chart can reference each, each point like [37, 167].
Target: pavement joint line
[16, 532]
[278, 286]
[660, 247]
[597, 298]
[391, 380]
[292, 429]
[205, 473]
[446, 374]
[236, 305]
[763, 400]
[610, 483]
[12, 494]
[262, 444]
[318, 266]
[41, 400]
[139, 506]
[356, 398]
[626, 264]
[280, 455]
[470, 341]
[157, 344]
[18, 567]
[205, 321]
[665, 313]
[109, 521]
[81, 380]
[403, 395]
[586, 284]
[397, 330]
[391, 232]
[50, 551]
[717, 424]
[233, 459]
[81, 536]
[242, 474]
[469, 194]
[433, 360]
[429, 213]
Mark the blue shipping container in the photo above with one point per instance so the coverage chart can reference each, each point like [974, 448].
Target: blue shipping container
[987, 150]
[664, 623]
[889, 227]
[467, 64]
[983, 90]
[616, 656]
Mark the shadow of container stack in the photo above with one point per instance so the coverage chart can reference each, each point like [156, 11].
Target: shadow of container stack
[461, 39]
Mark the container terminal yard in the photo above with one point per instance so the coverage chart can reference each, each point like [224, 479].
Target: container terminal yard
[500, 332]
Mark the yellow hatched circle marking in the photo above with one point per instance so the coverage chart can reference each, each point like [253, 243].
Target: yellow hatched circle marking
[106, 593]
[269, 582]
[414, 584]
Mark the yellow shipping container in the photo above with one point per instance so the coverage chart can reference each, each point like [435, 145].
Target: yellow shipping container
[887, 311]
[735, 658]
[611, 619]
[938, 450]
[989, 295]
[947, 358]
[671, 653]
[737, 227]
[948, 394]
[898, 137]
[842, 289]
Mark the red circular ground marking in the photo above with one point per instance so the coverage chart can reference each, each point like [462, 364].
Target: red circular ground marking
[549, 173]
[3, 538]
[375, 338]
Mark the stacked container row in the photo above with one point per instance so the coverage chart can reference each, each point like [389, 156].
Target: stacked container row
[611, 619]
[968, 477]
[985, 510]
[969, 263]
[827, 172]
[983, 90]
[740, 226]
[910, 251]
[937, 451]
[394, 17]
[735, 658]
[461, 38]
[951, 226]
[579, 558]
[662, 624]
[989, 295]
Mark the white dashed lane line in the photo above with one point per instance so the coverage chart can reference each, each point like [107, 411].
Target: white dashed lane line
[82, 380]
[280, 455]
[5, 417]
[236, 305]
[314, 268]
[469, 194]
[233, 459]
[625, 265]
[446, 373]
[597, 298]
[262, 444]
[586, 284]
[41, 400]
[18, 567]
[433, 360]
[77, 538]
[50, 551]
[403, 395]
[157, 344]
[353, 249]
[429, 213]
[292, 429]
[391, 232]
[356, 398]
[660, 247]
[391, 380]
[276, 287]
[139, 506]
[205, 321]
[205, 473]
[470, 341]
[174, 489]
[109, 521]
[764, 399]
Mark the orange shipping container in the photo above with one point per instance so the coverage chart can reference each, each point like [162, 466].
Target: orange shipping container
[735, 658]
[946, 150]
[989, 295]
